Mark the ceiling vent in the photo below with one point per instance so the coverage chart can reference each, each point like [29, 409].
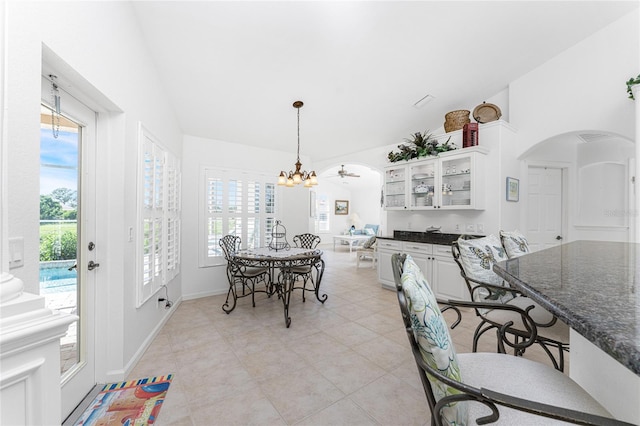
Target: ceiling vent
[594, 137]
[422, 102]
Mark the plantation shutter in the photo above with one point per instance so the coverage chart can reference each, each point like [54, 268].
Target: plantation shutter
[238, 203]
[158, 257]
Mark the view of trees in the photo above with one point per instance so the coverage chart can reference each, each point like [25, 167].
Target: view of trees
[58, 240]
[62, 203]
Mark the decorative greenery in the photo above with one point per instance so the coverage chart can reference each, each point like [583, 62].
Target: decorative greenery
[630, 83]
[54, 246]
[419, 145]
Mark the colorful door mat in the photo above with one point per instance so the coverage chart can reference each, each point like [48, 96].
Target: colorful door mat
[131, 403]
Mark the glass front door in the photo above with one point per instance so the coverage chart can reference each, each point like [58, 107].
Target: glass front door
[59, 173]
[67, 232]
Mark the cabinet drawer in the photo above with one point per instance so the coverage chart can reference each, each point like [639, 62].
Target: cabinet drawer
[390, 245]
[440, 250]
[421, 248]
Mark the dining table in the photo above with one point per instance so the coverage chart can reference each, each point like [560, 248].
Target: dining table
[283, 265]
[593, 286]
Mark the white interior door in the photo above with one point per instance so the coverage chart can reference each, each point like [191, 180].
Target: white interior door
[72, 153]
[544, 207]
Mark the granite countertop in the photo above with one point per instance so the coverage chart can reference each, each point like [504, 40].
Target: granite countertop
[423, 237]
[591, 285]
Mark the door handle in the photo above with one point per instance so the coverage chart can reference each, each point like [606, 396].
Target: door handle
[558, 238]
[92, 265]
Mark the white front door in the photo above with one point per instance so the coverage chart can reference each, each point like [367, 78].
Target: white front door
[69, 266]
[544, 207]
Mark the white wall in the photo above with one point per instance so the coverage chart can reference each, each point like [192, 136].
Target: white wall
[198, 153]
[113, 67]
[581, 89]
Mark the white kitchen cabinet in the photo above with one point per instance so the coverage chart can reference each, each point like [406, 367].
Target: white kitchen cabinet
[422, 255]
[434, 260]
[447, 280]
[386, 248]
[395, 187]
[452, 181]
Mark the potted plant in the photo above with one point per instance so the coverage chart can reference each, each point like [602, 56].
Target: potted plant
[630, 83]
[419, 145]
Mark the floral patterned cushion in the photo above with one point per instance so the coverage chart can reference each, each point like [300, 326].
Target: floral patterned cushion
[432, 334]
[514, 243]
[477, 257]
[370, 242]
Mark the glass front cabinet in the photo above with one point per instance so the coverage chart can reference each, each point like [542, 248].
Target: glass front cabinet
[395, 187]
[452, 181]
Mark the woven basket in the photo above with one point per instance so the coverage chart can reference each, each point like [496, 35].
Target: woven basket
[455, 120]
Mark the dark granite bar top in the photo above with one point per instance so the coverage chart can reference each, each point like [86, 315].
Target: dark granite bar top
[593, 286]
[423, 237]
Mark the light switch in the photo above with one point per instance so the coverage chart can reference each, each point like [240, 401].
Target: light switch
[16, 252]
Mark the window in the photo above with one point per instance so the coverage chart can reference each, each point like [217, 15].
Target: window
[237, 203]
[159, 215]
[323, 213]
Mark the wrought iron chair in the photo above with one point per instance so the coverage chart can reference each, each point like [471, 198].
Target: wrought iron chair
[305, 272]
[549, 332]
[478, 387]
[240, 273]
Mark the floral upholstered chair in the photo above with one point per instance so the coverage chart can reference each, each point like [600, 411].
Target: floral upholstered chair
[475, 257]
[480, 388]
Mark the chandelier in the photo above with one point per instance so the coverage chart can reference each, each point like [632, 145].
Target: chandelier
[297, 177]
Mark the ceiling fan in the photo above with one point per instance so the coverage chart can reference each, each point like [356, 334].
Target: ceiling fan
[343, 173]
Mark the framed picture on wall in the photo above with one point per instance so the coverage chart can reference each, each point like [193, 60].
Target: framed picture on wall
[342, 207]
[513, 189]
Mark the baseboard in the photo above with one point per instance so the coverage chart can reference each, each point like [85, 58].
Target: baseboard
[202, 294]
[128, 368]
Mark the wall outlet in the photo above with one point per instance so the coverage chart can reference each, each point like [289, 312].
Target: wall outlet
[470, 227]
[480, 227]
[458, 227]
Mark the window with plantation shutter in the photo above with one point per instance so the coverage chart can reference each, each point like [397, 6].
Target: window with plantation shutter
[158, 259]
[235, 202]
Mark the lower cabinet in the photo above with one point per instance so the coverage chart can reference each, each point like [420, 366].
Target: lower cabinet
[446, 276]
[435, 261]
[386, 248]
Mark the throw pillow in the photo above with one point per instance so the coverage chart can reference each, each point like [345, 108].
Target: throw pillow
[369, 231]
[369, 243]
[477, 257]
[514, 243]
[432, 335]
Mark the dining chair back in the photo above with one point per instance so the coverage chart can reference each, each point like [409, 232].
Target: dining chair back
[308, 240]
[305, 271]
[241, 274]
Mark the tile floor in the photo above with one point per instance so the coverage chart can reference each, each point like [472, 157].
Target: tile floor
[346, 362]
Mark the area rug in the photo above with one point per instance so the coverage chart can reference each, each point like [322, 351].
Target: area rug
[131, 403]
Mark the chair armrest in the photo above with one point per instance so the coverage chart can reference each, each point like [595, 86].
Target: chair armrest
[523, 342]
[494, 289]
[547, 410]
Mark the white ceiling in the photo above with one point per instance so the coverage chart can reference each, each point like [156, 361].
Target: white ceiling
[232, 69]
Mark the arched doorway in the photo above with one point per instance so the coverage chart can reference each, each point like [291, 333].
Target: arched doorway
[356, 183]
[593, 181]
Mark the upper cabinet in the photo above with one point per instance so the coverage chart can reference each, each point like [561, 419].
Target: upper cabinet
[453, 180]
